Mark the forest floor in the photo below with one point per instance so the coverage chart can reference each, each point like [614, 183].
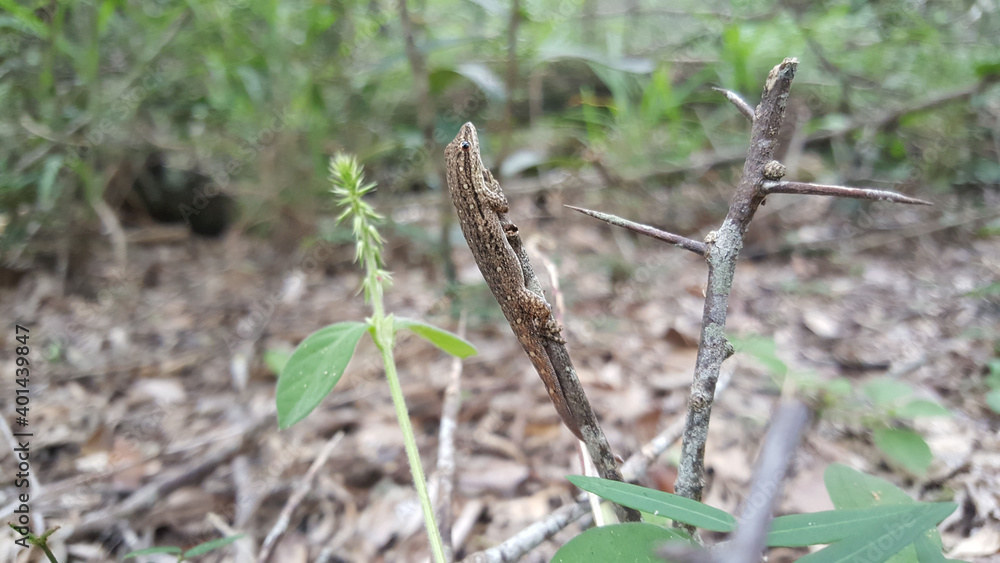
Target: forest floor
[152, 400]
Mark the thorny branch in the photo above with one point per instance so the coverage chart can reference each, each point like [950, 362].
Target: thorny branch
[761, 176]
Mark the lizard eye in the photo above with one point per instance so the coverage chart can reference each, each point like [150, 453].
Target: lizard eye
[466, 146]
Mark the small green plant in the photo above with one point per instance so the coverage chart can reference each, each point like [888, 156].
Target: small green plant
[318, 363]
[184, 555]
[41, 542]
[874, 520]
[883, 405]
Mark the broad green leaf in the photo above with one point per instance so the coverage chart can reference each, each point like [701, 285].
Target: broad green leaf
[885, 392]
[632, 542]
[850, 489]
[210, 545]
[657, 502]
[905, 447]
[154, 550]
[446, 341]
[314, 368]
[881, 542]
[921, 407]
[796, 530]
[993, 400]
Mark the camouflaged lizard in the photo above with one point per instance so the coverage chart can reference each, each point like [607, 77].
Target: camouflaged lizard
[482, 212]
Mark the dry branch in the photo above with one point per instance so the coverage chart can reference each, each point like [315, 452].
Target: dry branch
[194, 472]
[737, 101]
[585, 417]
[633, 468]
[724, 248]
[692, 245]
[443, 480]
[772, 466]
[804, 188]
[305, 483]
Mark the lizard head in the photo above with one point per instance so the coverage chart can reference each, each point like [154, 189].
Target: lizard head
[464, 150]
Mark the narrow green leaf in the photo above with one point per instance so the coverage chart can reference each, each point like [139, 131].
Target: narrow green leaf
[906, 447]
[850, 489]
[797, 530]
[446, 341]
[657, 502]
[210, 545]
[153, 551]
[632, 542]
[314, 368]
[47, 193]
[921, 407]
[927, 548]
[881, 542]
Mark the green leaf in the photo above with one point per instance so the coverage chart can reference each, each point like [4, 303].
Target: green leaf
[885, 392]
[764, 350]
[987, 70]
[850, 489]
[276, 360]
[632, 542]
[881, 542]
[993, 400]
[47, 193]
[921, 407]
[153, 551]
[446, 341]
[927, 548]
[797, 530]
[905, 447]
[988, 290]
[657, 502]
[314, 368]
[210, 545]
[993, 379]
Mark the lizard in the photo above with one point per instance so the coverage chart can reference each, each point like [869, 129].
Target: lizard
[482, 213]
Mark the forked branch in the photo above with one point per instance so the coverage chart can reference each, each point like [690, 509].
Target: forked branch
[761, 177]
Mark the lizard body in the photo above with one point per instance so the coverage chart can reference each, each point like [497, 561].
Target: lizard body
[482, 213]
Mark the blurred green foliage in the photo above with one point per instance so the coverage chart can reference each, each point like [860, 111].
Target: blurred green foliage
[883, 405]
[257, 94]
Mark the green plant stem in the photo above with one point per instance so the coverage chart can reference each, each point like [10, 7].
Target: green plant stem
[384, 343]
[385, 336]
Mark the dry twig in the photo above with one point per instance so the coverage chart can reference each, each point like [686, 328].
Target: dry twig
[737, 101]
[443, 481]
[692, 245]
[305, 483]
